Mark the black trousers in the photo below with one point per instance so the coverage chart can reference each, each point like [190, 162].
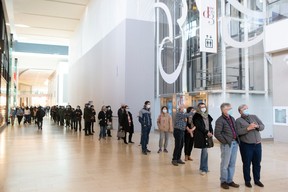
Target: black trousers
[87, 127]
[19, 117]
[189, 142]
[78, 122]
[129, 137]
[179, 140]
[40, 123]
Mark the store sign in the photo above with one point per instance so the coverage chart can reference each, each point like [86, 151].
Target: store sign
[208, 25]
[172, 77]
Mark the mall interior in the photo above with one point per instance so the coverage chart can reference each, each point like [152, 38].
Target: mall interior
[115, 52]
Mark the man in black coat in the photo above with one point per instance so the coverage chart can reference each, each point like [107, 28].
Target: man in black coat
[39, 116]
[78, 114]
[88, 119]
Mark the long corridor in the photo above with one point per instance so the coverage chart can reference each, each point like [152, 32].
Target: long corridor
[60, 160]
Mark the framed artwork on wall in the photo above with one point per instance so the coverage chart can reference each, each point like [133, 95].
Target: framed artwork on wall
[280, 115]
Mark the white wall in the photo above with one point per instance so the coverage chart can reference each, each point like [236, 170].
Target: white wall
[259, 105]
[141, 10]
[103, 16]
[112, 55]
[276, 36]
[279, 73]
[99, 75]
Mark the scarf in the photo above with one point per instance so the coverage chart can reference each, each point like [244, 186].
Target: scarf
[205, 119]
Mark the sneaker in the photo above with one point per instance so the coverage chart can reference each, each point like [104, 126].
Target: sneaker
[232, 184]
[203, 173]
[248, 184]
[180, 161]
[159, 151]
[165, 151]
[148, 151]
[225, 185]
[258, 183]
[174, 162]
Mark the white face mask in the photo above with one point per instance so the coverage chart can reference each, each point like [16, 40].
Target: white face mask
[148, 106]
[164, 111]
[184, 110]
[203, 110]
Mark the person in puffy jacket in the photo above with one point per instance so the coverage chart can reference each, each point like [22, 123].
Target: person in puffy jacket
[146, 124]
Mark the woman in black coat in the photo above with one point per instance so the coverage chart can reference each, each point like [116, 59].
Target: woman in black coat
[202, 121]
[128, 125]
[102, 122]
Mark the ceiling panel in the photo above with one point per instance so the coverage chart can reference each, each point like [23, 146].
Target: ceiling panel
[49, 8]
[39, 77]
[44, 22]
[38, 21]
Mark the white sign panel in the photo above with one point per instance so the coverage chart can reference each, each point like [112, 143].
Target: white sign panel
[208, 25]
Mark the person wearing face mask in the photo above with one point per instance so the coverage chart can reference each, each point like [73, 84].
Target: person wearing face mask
[109, 118]
[78, 115]
[128, 125]
[120, 114]
[178, 133]
[248, 127]
[87, 119]
[202, 121]
[93, 120]
[102, 122]
[165, 126]
[146, 124]
[225, 132]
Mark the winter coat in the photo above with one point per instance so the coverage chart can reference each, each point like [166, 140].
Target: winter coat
[164, 122]
[102, 118]
[128, 128]
[200, 132]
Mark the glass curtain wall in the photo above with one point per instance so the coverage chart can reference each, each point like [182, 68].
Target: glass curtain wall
[171, 51]
[244, 66]
[5, 76]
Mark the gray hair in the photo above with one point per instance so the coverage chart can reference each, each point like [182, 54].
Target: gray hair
[223, 105]
[241, 107]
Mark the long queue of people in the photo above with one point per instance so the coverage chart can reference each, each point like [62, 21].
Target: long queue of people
[29, 114]
[193, 127]
[71, 118]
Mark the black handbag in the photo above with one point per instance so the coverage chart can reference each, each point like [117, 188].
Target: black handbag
[209, 142]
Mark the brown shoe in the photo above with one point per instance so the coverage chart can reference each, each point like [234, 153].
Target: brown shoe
[225, 185]
[186, 158]
[232, 184]
[190, 159]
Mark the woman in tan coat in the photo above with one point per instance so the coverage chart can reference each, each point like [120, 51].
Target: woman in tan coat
[165, 126]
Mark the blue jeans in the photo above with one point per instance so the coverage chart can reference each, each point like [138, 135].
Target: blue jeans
[251, 153]
[204, 160]
[145, 131]
[179, 141]
[102, 132]
[228, 161]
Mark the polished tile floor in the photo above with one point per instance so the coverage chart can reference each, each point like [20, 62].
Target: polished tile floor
[59, 160]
